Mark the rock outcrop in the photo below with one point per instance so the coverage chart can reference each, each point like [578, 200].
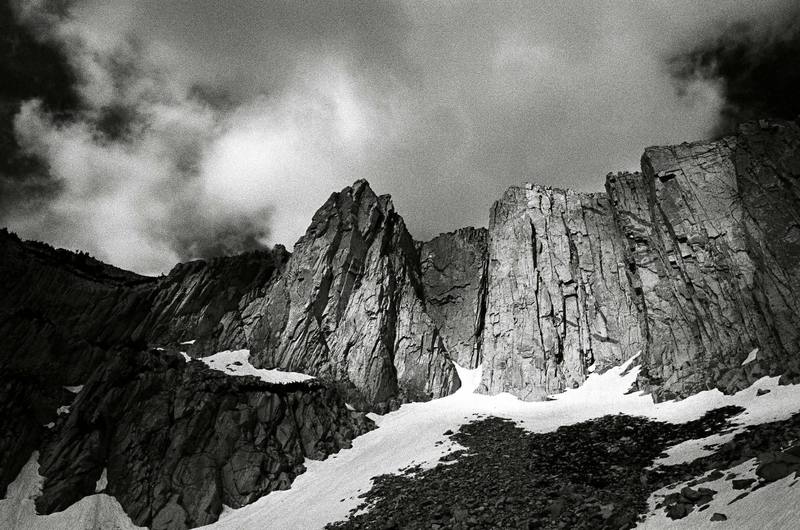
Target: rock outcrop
[713, 231]
[177, 440]
[350, 307]
[558, 300]
[454, 267]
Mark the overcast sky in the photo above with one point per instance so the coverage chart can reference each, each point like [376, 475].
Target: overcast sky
[211, 127]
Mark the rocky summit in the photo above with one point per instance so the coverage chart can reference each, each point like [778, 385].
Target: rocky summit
[692, 264]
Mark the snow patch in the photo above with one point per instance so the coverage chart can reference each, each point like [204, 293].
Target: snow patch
[237, 363]
[188, 342]
[776, 505]
[409, 436]
[185, 356]
[74, 389]
[18, 509]
[751, 357]
[63, 409]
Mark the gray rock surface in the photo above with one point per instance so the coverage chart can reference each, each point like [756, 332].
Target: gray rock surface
[179, 440]
[713, 232]
[454, 267]
[350, 307]
[559, 299]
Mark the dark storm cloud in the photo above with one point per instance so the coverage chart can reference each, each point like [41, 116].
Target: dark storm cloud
[211, 127]
[757, 66]
[29, 68]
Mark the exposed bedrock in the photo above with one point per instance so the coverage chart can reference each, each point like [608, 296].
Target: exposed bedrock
[558, 296]
[178, 440]
[713, 235]
[454, 267]
[350, 307]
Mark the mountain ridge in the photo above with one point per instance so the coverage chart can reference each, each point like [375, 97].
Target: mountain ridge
[691, 264]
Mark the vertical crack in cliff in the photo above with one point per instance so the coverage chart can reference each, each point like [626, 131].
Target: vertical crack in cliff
[537, 278]
[480, 319]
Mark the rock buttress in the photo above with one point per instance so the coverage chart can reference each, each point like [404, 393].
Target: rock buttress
[454, 267]
[559, 299]
[350, 307]
[712, 235]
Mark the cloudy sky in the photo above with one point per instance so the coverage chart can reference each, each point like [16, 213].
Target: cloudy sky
[197, 128]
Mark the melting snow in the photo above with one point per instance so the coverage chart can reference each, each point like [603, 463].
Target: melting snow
[74, 389]
[63, 409]
[329, 489]
[189, 342]
[409, 435]
[238, 363]
[18, 510]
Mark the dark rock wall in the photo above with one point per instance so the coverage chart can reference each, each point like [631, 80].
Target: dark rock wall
[204, 301]
[179, 440]
[713, 237]
[454, 267]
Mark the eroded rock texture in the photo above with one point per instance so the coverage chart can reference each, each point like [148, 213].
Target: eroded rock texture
[350, 307]
[695, 263]
[454, 267]
[713, 232]
[179, 440]
[558, 298]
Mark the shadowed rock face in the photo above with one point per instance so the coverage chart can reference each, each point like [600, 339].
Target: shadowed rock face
[454, 276]
[179, 440]
[713, 237]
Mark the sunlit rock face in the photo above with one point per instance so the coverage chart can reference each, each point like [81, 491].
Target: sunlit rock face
[559, 299]
[350, 306]
[714, 240]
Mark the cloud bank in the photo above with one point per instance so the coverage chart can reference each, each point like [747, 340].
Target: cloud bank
[207, 128]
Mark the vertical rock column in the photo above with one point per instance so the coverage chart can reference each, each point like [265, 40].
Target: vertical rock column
[709, 231]
[558, 295]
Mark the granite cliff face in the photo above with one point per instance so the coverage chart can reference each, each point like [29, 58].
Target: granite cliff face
[558, 300]
[694, 264]
[454, 267]
[350, 307]
[713, 231]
